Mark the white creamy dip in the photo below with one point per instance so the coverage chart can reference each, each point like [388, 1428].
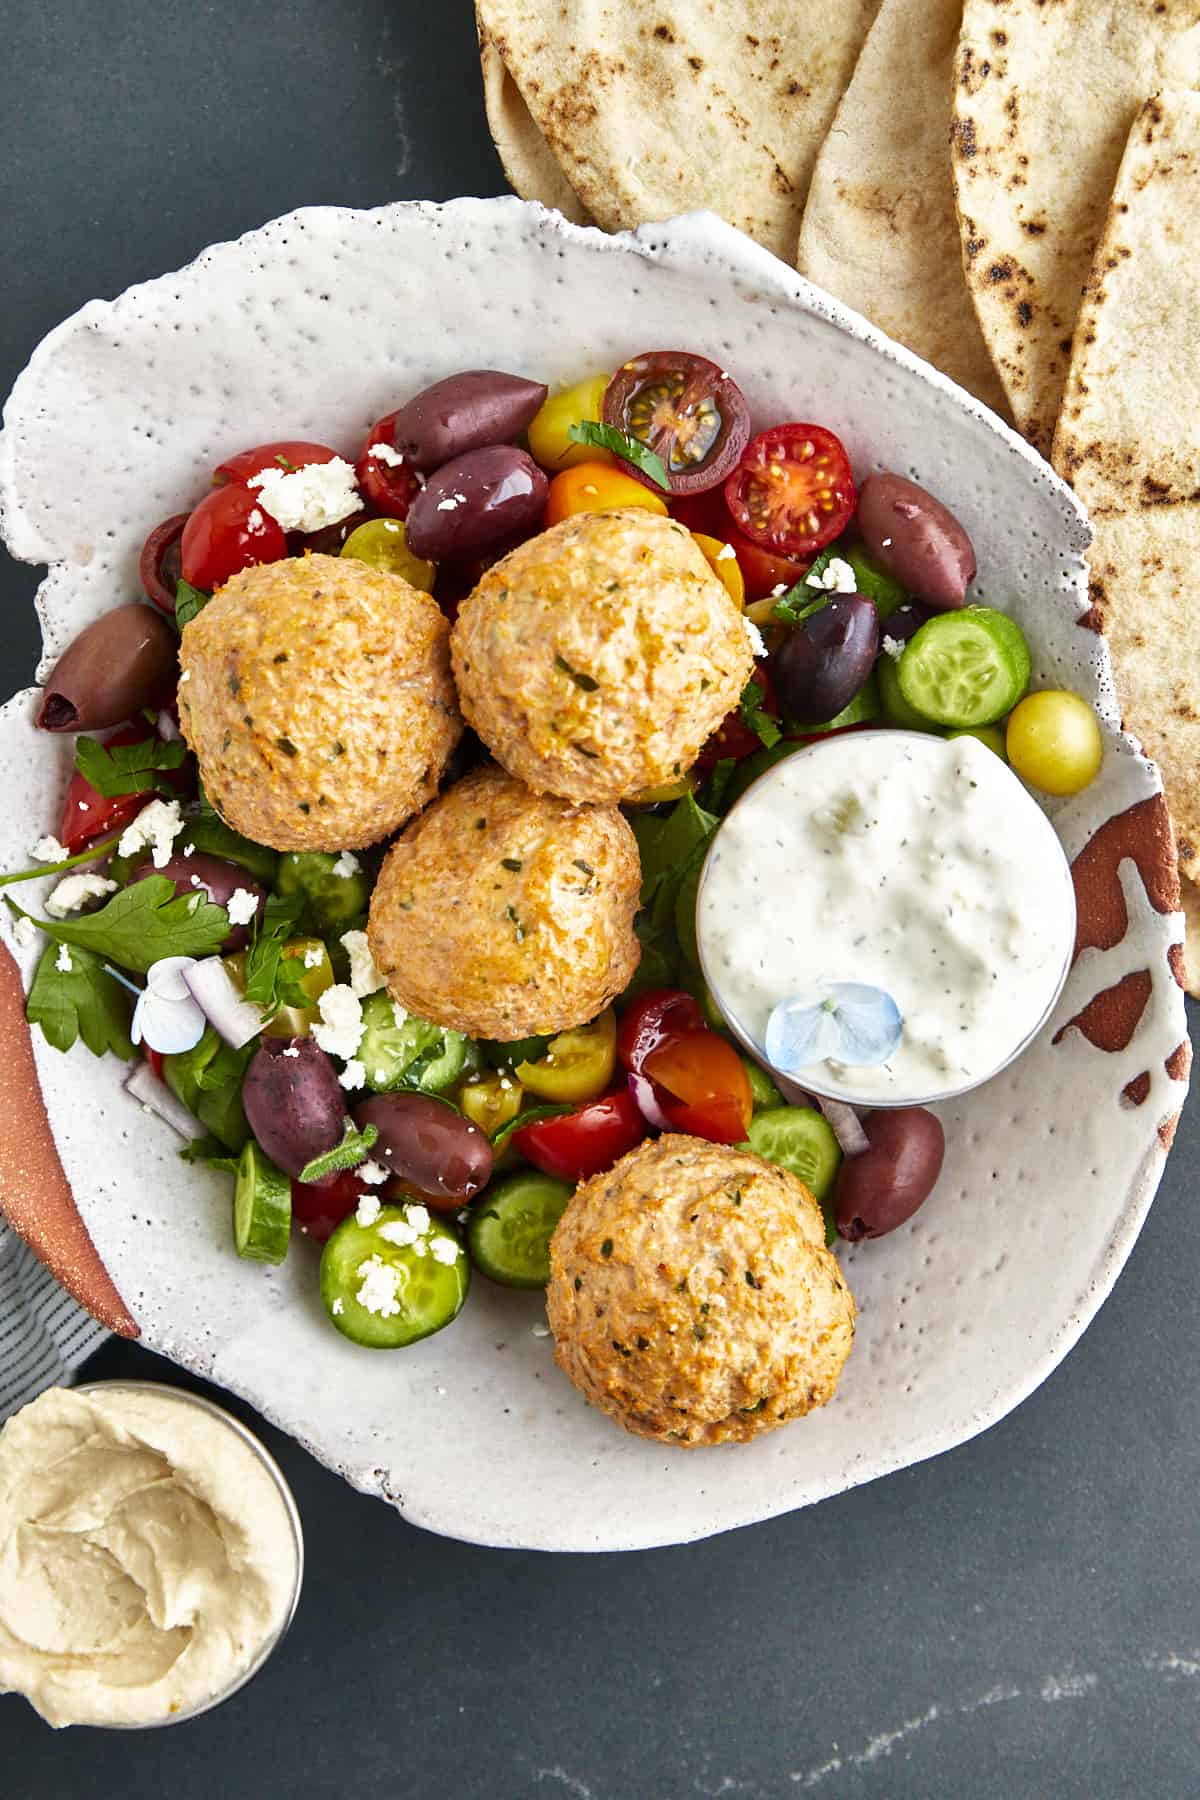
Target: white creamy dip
[147, 1556]
[915, 864]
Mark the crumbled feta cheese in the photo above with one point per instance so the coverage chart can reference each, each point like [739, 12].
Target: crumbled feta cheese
[894, 647]
[885, 543]
[291, 1050]
[341, 1028]
[186, 676]
[254, 518]
[419, 1247]
[24, 931]
[451, 502]
[781, 587]
[377, 1294]
[189, 849]
[157, 825]
[397, 1231]
[311, 497]
[364, 976]
[346, 865]
[62, 961]
[444, 1250]
[74, 891]
[367, 1210]
[339, 1307]
[241, 906]
[386, 453]
[354, 1075]
[726, 552]
[48, 850]
[418, 1218]
[314, 957]
[757, 641]
[837, 578]
[372, 1173]
[399, 1013]
[540, 1330]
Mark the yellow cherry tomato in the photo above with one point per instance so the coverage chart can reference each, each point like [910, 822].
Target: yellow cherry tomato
[550, 440]
[383, 544]
[1053, 741]
[578, 1065]
[722, 560]
[314, 976]
[491, 1101]
[989, 735]
[666, 790]
[597, 487]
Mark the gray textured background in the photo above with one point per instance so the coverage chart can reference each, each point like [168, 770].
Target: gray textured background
[1016, 1619]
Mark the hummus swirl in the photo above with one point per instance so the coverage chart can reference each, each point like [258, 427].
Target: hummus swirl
[146, 1556]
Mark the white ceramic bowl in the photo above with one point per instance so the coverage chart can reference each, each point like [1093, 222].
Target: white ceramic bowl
[313, 327]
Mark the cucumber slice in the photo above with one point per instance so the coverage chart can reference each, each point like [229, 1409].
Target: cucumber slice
[966, 668]
[763, 1091]
[413, 1054]
[801, 1140]
[500, 1055]
[862, 710]
[870, 580]
[896, 710]
[383, 1293]
[510, 1228]
[262, 1207]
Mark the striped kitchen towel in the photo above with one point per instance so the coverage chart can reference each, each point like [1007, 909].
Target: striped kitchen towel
[44, 1334]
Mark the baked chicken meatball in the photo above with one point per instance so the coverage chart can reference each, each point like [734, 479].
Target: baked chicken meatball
[692, 1297]
[317, 695]
[504, 913]
[596, 659]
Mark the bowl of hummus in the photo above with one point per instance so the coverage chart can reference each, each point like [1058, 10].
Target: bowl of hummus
[151, 1555]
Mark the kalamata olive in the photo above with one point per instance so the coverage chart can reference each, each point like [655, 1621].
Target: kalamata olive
[822, 663]
[884, 1185]
[475, 502]
[464, 412]
[294, 1102]
[215, 877]
[122, 661]
[916, 540]
[904, 623]
[427, 1145]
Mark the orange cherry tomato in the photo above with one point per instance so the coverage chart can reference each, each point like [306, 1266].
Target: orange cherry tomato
[596, 487]
[704, 1089]
[722, 560]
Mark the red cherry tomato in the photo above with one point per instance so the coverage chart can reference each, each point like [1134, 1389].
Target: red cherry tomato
[228, 531]
[388, 487]
[732, 740]
[158, 565]
[584, 1142]
[154, 1058]
[287, 454]
[655, 1017]
[792, 492]
[88, 814]
[762, 570]
[701, 1086]
[318, 1207]
[684, 408]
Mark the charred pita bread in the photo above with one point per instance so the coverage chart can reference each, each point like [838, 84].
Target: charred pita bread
[525, 155]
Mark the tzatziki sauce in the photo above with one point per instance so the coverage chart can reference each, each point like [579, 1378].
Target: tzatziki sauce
[918, 865]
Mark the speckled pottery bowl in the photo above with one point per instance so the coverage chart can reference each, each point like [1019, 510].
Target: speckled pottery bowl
[313, 327]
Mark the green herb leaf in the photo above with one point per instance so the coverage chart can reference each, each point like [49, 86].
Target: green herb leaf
[718, 784]
[82, 1001]
[588, 683]
[210, 1150]
[127, 768]
[189, 601]
[347, 1155]
[143, 923]
[754, 718]
[805, 598]
[266, 948]
[530, 1116]
[91, 854]
[629, 449]
[665, 851]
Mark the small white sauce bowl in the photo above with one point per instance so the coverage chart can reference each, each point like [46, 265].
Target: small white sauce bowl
[817, 1079]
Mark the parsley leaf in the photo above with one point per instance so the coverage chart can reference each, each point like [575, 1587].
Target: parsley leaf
[189, 601]
[753, 717]
[530, 1116]
[266, 949]
[127, 768]
[142, 923]
[806, 598]
[347, 1155]
[82, 1001]
[629, 449]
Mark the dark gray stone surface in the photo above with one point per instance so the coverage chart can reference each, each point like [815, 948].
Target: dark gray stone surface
[1019, 1618]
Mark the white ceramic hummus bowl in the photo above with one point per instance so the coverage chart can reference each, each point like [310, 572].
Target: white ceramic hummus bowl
[313, 327]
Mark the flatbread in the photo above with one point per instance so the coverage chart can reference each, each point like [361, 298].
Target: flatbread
[1045, 95]
[1189, 899]
[525, 155]
[880, 229]
[653, 107]
[1129, 441]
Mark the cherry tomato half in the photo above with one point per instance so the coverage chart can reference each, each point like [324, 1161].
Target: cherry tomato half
[287, 454]
[228, 531]
[654, 1018]
[684, 408]
[386, 485]
[597, 487]
[159, 563]
[762, 571]
[733, 739]
[87, 814]
[318, 1207]
[701, 1086]
[793, 491]
[584, 1142]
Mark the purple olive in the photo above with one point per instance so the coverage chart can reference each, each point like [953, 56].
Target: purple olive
[124, 660]
[464, 412]
[884, 1185]
[822, 663]
[429, 1146]
[916, 540]
[904, 623]
[475, 502]
[293, 1100]
[214, 876]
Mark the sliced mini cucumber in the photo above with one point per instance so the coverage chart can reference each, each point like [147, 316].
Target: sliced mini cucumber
[800, 1140]
[386, 1284]
[763, 1091]
[411, 1054]
[262, 1207]
[966, 668]
[896, 710]
[510, 1228]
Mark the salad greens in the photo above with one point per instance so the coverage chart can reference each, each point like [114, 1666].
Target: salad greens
[142, 923]
[80, 1000]
[128, 768]
[629, 449]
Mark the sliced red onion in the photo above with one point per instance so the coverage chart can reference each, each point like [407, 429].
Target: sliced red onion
[231, 1016]
[166, 1017]
[642, 1089]
[166, 727]
[144, 1086]
[847, 1127]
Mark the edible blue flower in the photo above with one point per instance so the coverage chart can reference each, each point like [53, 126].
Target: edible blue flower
[842, 1021]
